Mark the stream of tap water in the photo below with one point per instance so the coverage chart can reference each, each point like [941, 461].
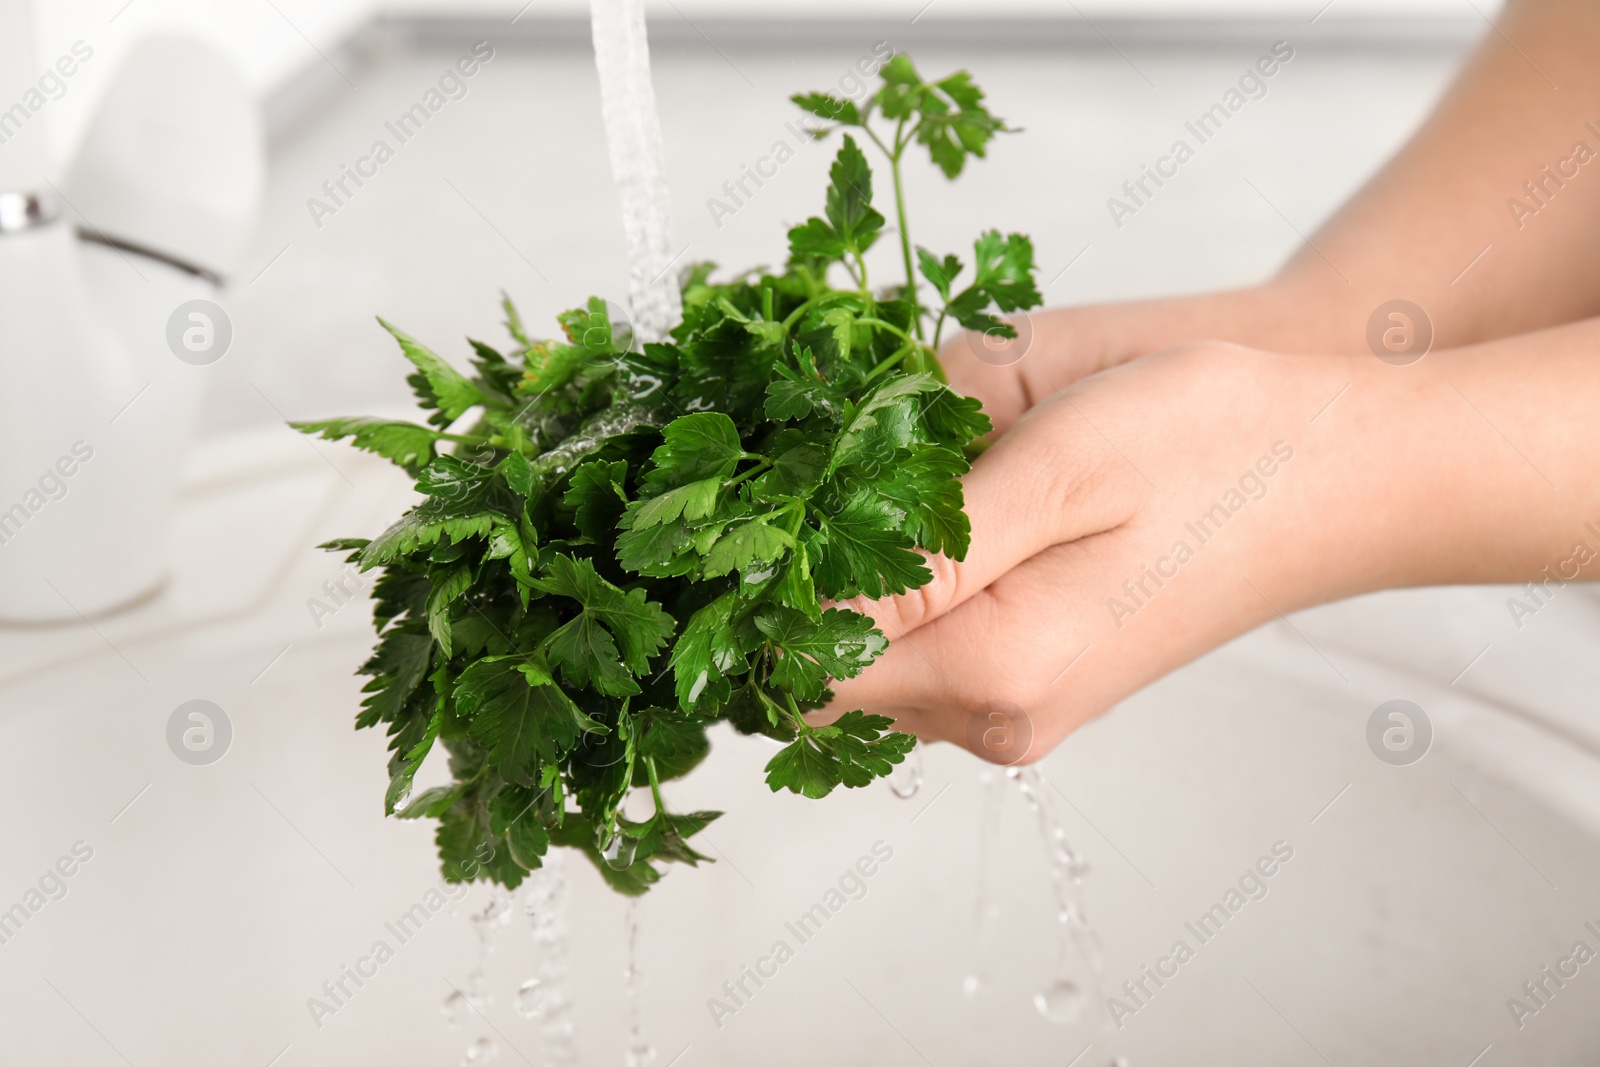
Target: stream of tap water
[640, 1051]
[1079, 956]
[985, 909]
[633, 136]
[1079, 959]
[638, 163]
[547, 996]
[472, 998]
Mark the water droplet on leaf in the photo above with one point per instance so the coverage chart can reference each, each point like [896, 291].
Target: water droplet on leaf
[620, 852]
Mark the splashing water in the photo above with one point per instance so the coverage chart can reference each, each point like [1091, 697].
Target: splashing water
[1078, 948]
[985, 909]
[547, 996]
[495, 916]
[640, 1054]
[906, 778]
[473, 995]
[633, 136]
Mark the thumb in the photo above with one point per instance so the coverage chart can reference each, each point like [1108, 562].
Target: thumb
[1044, 483]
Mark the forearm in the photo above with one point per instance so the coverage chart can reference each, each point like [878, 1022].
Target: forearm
[1476, 465]
[1449, 224]
[1441, 224]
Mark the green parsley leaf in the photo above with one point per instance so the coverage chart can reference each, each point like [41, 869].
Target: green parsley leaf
[597, 514]
[405, 444]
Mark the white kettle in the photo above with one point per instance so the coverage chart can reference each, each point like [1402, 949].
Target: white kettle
[110, 312]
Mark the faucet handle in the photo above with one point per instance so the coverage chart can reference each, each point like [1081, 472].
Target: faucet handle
[26, 211]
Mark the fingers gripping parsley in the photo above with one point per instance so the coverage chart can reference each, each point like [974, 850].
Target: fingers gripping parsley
[620, 545]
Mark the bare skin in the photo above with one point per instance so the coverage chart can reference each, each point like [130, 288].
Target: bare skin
[1335, 475]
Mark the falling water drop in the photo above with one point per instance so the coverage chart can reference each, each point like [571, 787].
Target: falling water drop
[985, 909]
[906, 778]
[1060, 1002]
[530, 999]
[480, 1051]
[455, 1009]
[1078, 950]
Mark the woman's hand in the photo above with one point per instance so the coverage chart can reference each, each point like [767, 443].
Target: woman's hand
[1154, 511]
[1057, 348]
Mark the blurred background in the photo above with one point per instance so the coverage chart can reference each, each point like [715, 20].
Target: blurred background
[208, 902]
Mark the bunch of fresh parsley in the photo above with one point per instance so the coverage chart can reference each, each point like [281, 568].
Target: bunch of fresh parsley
[622, 544]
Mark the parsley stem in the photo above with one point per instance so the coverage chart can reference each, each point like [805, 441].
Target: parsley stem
[799, 719]
[757, 469]
[493, 440]
[794, 316]
[891, 327]
[816, 301]
[811, 283]
[655, 784]
[905, 232]
[850, 270]
[799, 520]
[893, 361]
